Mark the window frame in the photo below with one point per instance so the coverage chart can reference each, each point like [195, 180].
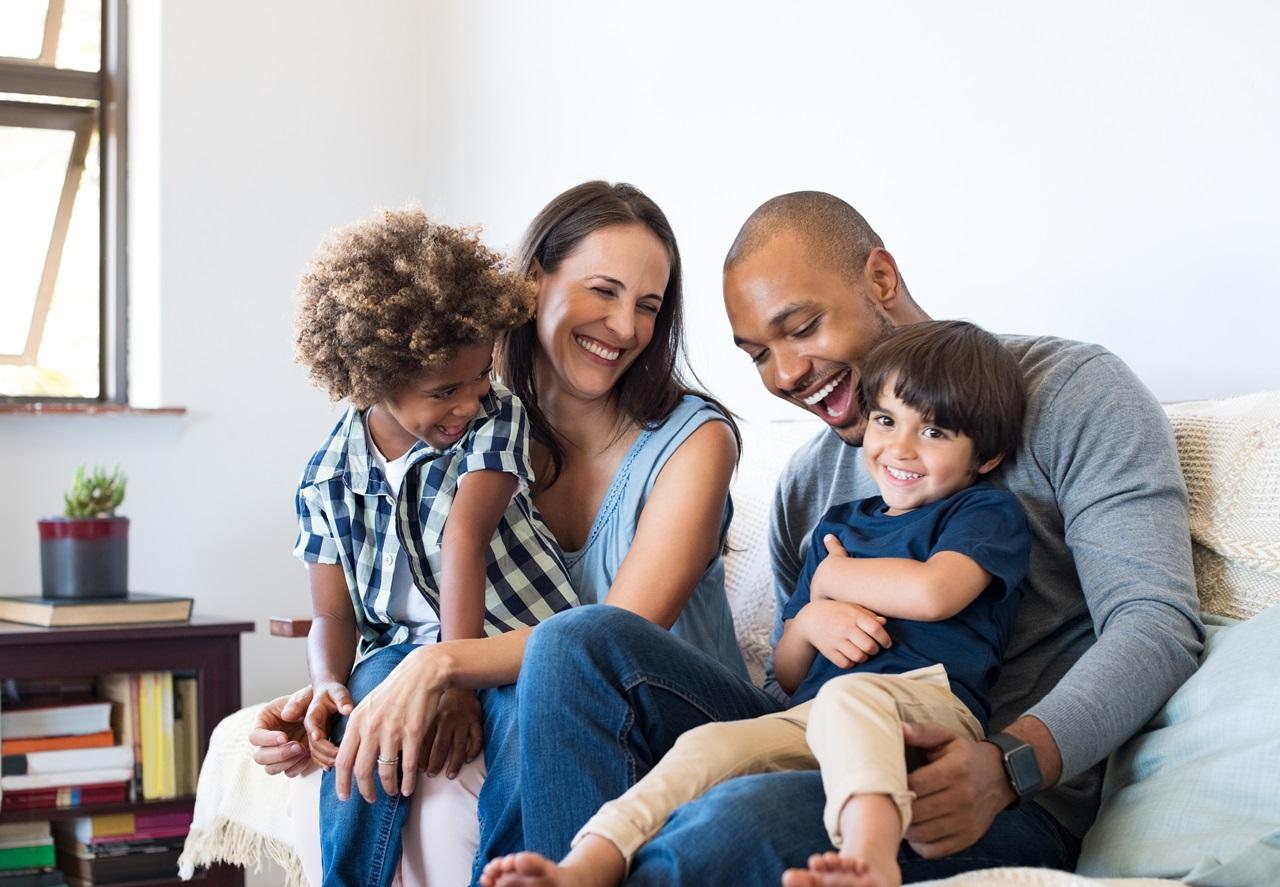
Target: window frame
[109, 88]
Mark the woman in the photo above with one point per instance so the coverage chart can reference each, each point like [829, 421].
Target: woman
[633, 473]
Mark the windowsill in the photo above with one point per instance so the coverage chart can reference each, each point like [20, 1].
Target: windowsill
[85, 409]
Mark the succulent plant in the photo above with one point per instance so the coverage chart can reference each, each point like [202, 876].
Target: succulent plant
[95, 495]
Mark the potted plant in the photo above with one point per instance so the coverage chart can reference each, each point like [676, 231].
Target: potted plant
[85, 554]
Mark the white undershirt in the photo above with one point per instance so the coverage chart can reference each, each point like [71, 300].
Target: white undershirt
[407, 606]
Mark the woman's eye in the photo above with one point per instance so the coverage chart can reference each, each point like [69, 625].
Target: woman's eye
[603, 291]
[650, 307]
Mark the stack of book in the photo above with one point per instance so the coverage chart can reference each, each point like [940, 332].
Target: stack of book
[157, 714]
[61, 752]
[26, 856]
[121, 847]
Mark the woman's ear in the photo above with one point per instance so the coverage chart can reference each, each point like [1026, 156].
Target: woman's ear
[535, 271]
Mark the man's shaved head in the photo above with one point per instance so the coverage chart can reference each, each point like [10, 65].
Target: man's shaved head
[834, 233]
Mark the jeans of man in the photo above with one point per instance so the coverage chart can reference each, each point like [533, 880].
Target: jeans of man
[360, 843]
[604, 693]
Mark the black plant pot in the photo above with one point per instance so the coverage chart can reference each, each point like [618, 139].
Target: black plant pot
[84, 557]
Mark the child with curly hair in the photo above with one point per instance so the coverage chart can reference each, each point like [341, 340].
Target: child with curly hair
[415, 516]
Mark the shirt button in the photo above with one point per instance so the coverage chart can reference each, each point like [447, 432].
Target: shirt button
[388, 560]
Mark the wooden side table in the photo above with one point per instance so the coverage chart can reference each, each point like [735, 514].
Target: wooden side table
[210, 647]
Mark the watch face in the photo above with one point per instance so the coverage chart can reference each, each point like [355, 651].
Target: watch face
[1024, 769]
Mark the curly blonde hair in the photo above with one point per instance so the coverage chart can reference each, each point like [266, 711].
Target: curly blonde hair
[389, 298]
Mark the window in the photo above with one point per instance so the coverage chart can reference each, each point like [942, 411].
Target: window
[62, 89]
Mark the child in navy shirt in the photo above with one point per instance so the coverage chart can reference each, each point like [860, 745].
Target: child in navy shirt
[940, 554]
[415, 516]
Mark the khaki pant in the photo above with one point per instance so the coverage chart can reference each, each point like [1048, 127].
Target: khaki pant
[852, 731]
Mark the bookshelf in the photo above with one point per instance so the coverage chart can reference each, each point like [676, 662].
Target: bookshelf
[210, 647]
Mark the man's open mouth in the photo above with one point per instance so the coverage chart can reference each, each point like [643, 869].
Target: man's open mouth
[832, 400]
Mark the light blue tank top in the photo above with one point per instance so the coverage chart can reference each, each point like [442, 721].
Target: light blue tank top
[706, 622]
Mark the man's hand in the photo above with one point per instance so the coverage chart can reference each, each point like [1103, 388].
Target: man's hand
[958, 792]
[329, 701]
[278, 737]
[844, 633]
[458, 733]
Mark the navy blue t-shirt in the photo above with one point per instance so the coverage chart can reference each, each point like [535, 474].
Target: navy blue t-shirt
[982, 522]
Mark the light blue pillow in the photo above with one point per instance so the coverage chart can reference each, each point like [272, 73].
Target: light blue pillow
[1196, 795]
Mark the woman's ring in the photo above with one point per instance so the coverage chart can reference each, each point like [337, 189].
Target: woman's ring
[388, 760]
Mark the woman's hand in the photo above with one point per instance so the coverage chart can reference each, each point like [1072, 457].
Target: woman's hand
[458, 732]
[844, 633]
[389, 725]
[278, 736]
[329, 700]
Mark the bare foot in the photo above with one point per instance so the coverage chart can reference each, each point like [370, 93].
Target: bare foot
[833, 870]
[532, 870]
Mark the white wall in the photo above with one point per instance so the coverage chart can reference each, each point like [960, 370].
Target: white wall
[1105, 172]
[1101, 171]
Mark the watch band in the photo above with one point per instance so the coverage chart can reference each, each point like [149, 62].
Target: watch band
[1021, 766]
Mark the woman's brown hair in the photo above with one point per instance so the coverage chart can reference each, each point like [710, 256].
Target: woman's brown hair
[652, 386]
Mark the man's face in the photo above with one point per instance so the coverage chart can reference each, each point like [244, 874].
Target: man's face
[806, 329]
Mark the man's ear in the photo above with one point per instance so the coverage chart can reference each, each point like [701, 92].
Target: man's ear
[884, 283]
[990, 465]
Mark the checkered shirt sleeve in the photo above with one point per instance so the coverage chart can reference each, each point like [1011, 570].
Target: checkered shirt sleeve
[317, 542]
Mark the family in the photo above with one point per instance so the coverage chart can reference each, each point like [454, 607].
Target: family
[523, 664]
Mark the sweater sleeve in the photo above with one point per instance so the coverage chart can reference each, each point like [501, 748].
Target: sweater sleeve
[784, 558]
[1112, 460]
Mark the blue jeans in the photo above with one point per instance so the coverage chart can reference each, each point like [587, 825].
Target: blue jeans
[603, 694]
[360, 843]
[749, 830]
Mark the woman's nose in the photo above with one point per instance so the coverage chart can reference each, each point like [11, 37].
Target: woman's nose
[621, 321]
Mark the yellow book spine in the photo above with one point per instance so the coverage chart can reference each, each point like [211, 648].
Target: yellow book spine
[150, 735]
[168, 768]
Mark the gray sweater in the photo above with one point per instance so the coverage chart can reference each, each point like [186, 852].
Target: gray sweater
[1109, 624]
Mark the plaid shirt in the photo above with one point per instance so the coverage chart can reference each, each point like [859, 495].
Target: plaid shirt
[345, 510]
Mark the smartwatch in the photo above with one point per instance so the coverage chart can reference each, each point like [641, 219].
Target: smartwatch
[1020, 765]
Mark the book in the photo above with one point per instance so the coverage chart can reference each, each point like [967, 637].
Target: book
[122, 827]
[122, 689]
[35, 879]
[67, 761]
[72, 778]
[186, 733]
[56, 743]
[64, 718]
[60, 613]
[32, 856]
[20, 834]
[163, 863]
[64, 797]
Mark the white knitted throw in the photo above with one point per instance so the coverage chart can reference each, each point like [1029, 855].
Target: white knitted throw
[1230, 454]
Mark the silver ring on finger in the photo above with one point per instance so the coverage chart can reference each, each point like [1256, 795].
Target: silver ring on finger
[388, 761]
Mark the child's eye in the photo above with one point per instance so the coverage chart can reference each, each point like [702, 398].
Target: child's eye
[883, 421]
[935, 433]
[444, 395]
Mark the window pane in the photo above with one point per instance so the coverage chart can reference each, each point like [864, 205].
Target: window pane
[80, 43]
[33, 166]
[22, 28]
[70, 343]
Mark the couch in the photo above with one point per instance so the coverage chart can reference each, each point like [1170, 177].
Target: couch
[1193, 798]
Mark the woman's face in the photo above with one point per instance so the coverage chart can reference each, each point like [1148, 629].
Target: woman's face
[596, 311]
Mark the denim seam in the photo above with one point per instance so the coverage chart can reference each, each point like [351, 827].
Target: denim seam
[379, 856]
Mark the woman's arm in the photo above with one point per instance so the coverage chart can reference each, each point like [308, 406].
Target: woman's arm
[679, 530]
[481, 500]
